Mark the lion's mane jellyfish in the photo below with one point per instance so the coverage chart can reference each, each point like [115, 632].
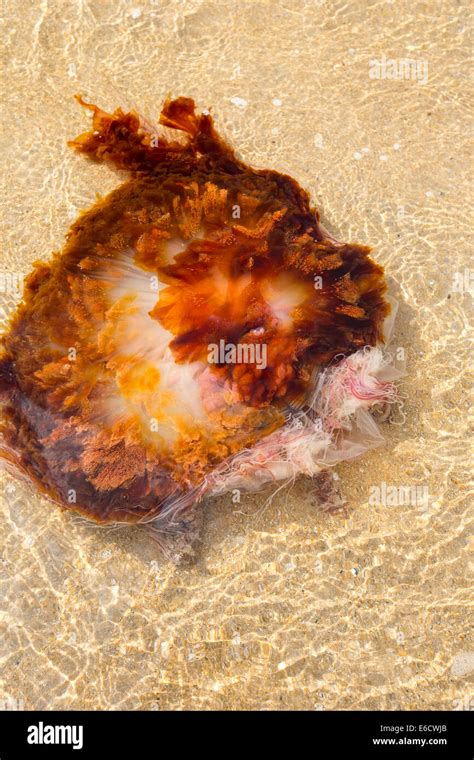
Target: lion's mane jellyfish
[200, 332]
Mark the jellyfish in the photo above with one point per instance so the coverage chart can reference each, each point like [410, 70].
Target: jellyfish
[200, 332]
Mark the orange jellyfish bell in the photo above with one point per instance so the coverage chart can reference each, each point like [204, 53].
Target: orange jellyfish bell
[199, 332]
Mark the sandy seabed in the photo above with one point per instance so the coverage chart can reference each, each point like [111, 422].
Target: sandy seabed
[285, 606]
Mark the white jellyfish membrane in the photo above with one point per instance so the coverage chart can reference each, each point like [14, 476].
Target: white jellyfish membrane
[332, 425]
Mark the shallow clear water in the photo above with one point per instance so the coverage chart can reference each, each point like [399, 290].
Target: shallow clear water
[285, 606]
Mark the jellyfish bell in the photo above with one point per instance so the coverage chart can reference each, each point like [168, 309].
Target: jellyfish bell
[200, 332]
